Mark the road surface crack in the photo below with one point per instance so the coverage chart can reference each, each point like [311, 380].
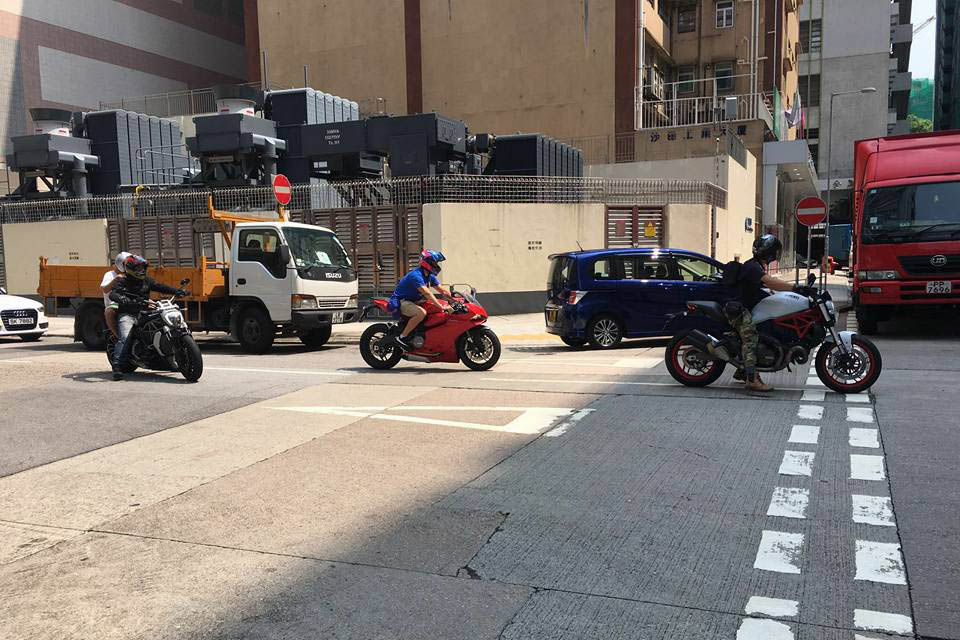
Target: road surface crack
[468, 571]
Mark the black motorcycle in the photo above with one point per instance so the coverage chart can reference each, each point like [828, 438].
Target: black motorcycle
[161, 341]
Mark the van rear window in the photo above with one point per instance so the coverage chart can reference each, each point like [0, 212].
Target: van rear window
[563, 275]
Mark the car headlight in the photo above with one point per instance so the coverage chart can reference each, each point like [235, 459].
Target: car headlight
[877, 275]
[300, 301]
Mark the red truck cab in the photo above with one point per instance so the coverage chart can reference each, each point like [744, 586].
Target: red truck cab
[906, 225]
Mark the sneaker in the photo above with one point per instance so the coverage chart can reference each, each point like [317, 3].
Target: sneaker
[403, 344]
[758, 385]
[117, 375]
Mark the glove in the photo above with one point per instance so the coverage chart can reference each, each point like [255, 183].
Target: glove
[804, 290]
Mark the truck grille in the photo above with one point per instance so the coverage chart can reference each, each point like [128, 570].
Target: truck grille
[331, 302]
[8, 315]
[920, 265]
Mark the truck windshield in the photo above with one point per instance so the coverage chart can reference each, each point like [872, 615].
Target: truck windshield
[912, 213]
[315, 248]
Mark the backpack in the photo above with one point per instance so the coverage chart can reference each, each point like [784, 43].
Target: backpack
[731, 273]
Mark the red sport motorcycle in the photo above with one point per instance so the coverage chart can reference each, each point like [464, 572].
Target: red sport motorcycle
[450, 333]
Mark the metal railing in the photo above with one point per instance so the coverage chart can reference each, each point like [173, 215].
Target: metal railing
[189, 102]
[165, 164]
[704, 110]
[364, 193]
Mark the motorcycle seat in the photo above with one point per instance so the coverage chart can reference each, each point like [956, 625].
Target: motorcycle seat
[712, 310]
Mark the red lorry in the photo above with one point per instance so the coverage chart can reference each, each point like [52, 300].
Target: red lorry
[906, 225]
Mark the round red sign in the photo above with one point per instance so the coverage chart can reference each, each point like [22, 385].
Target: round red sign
[282, 190]
[811, 211]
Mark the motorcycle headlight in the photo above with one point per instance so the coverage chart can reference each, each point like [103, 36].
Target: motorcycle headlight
[173, 318]
[299, 301]
[832, 308]
[877, 275]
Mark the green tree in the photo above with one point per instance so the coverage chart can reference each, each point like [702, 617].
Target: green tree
[919, 125]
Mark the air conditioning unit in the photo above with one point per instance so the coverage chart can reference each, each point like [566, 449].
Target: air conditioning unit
[653, 83]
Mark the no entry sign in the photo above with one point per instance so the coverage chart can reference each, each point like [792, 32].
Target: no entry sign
[281, 189]
[811, 211]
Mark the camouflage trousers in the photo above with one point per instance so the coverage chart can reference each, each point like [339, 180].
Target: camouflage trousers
[743, 324]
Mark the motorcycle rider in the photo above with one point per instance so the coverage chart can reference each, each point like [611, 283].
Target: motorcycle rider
[108, 282]
[131, 294]
[750, 283]
[414, 289]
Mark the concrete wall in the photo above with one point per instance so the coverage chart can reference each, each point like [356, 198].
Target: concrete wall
[81, 242]
[688, 227]
[502, 249]
[733, 239]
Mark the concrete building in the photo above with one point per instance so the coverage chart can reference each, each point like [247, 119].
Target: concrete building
[946, 105]
[77, 55]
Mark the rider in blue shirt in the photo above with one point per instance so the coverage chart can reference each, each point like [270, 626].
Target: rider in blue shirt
[417, 287]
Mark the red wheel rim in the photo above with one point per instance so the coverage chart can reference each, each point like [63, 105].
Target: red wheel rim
[861, 378]
[687, 370]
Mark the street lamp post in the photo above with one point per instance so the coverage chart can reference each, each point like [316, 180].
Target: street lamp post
[826, 231]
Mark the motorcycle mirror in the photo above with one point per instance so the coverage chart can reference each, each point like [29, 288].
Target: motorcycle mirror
[185, 282]
[811, 278]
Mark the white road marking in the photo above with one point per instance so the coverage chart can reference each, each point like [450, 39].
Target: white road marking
[815, 382]
[589, 382]
[298, 372]
[810, 412]
[876, 510]
[796, 463]
[812, 395]
[562, 428]
[623, 363]
[789, 502]
[862, 397]
[881, 621]
[760, 629]
[530, 421]
[17, 362]
[804, 434]
[879, 562]
[779, 552]
[860, 414]
[866, 467]
[866, 438]
[773, 607]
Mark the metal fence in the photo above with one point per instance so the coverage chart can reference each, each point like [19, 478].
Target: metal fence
[374, 193]
[188, 102]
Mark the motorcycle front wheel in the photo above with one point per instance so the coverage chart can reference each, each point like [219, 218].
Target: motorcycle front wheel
[690, 366]
[189, 359]
[479, 349]
[377, 347]
[849, 372]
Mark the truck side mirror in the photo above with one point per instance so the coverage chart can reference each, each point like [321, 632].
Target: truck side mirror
[284, 255]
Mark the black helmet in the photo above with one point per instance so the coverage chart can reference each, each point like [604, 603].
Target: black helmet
[767, 248]
[135, 266]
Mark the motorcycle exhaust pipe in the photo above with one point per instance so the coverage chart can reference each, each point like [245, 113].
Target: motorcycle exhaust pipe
[708, 344]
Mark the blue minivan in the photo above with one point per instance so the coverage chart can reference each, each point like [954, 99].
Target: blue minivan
[606, 295]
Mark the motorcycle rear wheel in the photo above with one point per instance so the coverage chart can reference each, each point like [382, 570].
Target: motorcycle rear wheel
[853, 373]
[377, 347]
[690, 366]
[189, 358]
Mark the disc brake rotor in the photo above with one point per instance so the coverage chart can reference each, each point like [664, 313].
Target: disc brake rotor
[848, 366]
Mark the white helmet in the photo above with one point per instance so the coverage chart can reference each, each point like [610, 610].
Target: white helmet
[118, 261]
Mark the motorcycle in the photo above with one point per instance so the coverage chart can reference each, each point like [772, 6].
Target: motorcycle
[161, 341]
[450, 333]
[790, 327]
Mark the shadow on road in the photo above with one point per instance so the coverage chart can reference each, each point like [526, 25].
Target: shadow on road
[145, 376]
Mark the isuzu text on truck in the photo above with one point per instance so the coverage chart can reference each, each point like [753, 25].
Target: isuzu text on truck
[906, 225]
[282, 279]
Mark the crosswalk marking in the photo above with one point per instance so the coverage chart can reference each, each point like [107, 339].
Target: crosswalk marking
[879, 562]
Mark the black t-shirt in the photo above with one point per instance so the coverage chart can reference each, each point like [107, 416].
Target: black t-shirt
[750, 283]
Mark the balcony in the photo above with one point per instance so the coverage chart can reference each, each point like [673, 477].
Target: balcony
[901, 33]
[900, 81]
[704, 110]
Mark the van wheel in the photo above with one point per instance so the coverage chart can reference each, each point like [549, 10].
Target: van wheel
[91, 327]
[255, 331]
[316, 338]
[604, 332]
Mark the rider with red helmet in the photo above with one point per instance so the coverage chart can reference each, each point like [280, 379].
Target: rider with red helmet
[415, 288]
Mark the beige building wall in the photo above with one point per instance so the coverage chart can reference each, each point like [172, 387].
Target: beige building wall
[352, 48]
[81, 242]
[688, 227]
[501, 248]
[504, 66]
[733, 238]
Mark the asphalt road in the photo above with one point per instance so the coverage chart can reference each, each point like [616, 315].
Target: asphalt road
[564, 494]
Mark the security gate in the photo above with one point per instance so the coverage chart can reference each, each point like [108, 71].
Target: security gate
[3, 270]
[165, 241]
[629, 227]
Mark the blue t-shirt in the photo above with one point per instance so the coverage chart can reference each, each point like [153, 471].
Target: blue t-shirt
[409, 286]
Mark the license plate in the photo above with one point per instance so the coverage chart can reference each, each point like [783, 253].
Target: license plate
[940, 286]
[19, 321]
[338, 317]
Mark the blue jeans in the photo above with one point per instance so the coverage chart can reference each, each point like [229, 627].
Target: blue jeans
[121, 353]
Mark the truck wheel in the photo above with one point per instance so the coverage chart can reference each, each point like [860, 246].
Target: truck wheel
[866, 321]
[255, 331]
[316, 338]
[91, 328]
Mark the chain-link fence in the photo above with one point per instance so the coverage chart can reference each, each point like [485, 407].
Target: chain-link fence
[366, 193]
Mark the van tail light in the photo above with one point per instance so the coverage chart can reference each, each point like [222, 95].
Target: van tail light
[575, 297]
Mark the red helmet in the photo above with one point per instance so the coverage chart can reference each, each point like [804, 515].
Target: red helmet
[430, 260]
[135, 266]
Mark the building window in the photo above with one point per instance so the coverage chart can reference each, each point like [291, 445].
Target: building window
[810, 38]
[724, 14]
[686, 19]
[723, 72]
[686, 77]
[664, 11]
[809, 98]
[812, 133]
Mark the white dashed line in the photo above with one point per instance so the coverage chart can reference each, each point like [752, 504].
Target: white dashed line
[561, 428]
[863, 397]
[860, 414]
[779, 552]
[773, 607]
[866, 467]
[297, 372]
[760, 629]
[810, 412]
[796, 463]
[876, 510]
[812, 395]
[880, 621]
[815, 382]
[804, 434]
[789, 502]
[879, 562]
[864, 438]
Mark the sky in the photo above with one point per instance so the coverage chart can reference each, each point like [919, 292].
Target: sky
[922, 49]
